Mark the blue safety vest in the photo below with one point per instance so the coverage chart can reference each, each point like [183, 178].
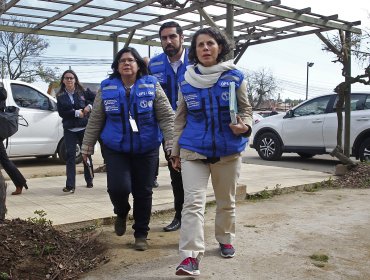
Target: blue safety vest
[207, 130]
[117, 133]
[161, 68]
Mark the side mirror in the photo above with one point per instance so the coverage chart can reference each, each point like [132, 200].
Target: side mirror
[289, 114]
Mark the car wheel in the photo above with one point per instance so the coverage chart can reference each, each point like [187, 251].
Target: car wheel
[364, 150]
[305, 155]
[62, 153]
[269, 146]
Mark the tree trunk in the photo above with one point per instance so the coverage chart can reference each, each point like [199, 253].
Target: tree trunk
[2, 198]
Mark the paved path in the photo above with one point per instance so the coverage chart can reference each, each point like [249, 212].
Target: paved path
[45, 193]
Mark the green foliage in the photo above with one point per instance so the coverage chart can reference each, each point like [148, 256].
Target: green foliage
[319, 257]
[40, 219]
[4, 276]
[46, 249]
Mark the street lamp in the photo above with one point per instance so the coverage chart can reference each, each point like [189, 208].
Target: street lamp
[309, 64]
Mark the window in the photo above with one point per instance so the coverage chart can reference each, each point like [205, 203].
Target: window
[314, 107]
[357, 102]
[27, 97]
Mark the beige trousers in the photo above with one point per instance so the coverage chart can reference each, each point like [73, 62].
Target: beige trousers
[195, 176]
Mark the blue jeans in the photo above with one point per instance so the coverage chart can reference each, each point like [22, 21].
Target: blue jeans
[132, 173]
[71, 139]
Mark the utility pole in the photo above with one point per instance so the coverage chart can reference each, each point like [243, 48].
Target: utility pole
[309, 64]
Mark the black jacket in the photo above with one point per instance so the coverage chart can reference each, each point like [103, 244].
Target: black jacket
[66, 109]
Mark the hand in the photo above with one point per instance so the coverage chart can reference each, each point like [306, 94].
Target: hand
[81, 115]
[87, 110]
[84, 157]
[239, 128]
[176, 163]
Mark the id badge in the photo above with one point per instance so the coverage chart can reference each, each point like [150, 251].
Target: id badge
[133, 125]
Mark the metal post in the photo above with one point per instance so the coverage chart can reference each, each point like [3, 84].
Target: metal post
[347, 99]
[309, 64]
[115, 45]
[230, 25]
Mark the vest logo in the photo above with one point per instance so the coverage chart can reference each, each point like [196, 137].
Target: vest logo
[146, 104]
[145, 93]
[224, 83]
[225, 96]
[111, 105]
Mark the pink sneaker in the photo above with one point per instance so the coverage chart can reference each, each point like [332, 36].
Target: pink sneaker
[189, 266]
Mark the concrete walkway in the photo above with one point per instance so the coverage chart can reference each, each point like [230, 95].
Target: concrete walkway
[45, 193]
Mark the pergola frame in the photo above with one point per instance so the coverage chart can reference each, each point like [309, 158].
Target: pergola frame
[247, 22]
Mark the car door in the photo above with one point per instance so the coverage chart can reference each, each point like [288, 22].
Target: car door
[41, 135]
[305, 127]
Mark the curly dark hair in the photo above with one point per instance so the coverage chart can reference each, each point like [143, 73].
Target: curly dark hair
[216, 34]
[143, 68]
[78, 86]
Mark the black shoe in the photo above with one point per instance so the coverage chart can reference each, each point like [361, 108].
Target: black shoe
[120, 226]
[69, 189]
[173, 226]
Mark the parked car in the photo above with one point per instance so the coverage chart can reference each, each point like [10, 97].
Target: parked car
[43, 137]
[310, 129]
[256, 118]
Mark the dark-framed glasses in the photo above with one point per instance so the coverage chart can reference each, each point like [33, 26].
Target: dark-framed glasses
[127, 60]
[69, 78]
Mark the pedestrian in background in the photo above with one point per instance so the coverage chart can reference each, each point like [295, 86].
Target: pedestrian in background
[15, 175]
[168, 67]
[74, 107]
[130, 115]
[209, 144]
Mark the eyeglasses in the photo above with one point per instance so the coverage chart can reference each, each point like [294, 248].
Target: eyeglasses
[127, 60]
[69, 78]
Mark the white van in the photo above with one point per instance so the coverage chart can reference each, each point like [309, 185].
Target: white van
[43, 137]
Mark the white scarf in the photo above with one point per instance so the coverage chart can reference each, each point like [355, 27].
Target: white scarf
[209, 75]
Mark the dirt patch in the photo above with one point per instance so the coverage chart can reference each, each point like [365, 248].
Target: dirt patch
[35, 250]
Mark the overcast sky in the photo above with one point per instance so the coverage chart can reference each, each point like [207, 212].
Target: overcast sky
[286, 59]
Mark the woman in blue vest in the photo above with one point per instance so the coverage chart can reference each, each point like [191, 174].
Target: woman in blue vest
[74, 107]
[129, 115]
[209, 144]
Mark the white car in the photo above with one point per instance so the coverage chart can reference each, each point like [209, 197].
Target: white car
[43, 137]
[311, 128]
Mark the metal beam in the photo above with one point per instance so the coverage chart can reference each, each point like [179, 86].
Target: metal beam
[128, 41]
[7, 28]
[63, 13]
[291, 15]
[207, 18]
[278, 38]
[116, 15]
[163, 17]
[7, 6]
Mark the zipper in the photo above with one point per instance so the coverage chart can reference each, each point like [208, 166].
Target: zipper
[212, 123]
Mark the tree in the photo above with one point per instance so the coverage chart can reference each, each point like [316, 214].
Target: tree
[20, 54]
[261, 86]
[342, 45]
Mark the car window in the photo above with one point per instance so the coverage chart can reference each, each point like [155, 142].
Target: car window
[367, 102]
[358, 102]
[316, 106]
[27, 97]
